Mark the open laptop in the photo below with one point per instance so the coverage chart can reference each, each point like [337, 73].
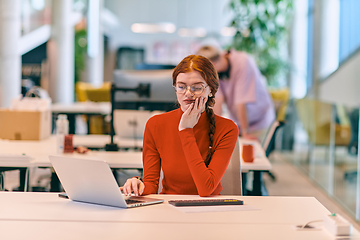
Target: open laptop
[92, 181]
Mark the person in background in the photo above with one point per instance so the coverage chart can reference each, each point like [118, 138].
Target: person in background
[191, 145]
[243, 89]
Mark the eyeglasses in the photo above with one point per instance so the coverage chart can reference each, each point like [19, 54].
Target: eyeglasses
[196, 89]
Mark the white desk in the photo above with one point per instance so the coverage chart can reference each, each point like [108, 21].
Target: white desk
[48, 145]
[39, 151]
[37, 154]
[38, 215]
[42, 230]
[260, 163]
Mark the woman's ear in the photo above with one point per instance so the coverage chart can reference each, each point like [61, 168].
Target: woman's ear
[210, 95]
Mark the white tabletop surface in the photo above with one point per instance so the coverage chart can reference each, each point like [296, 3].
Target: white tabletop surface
[44, 230]
[40, 215]
[103, 108]
[39, 151]
[48, 206]
[36, 153]
[90, 141]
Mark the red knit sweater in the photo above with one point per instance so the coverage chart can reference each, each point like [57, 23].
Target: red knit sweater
[181, 154]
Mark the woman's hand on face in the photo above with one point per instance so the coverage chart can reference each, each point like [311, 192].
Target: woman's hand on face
[191, 116]
[133, 185]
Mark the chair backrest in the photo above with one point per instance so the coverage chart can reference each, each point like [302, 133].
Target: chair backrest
[280, 98]
[160, 187]
[231, 181]
[269, 140]
[87, 92]
[80, 90]
[100, 94]
[316, 117]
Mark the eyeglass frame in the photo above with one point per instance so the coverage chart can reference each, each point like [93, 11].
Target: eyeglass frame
[187, 88]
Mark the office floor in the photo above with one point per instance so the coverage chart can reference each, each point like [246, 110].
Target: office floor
[290, 181]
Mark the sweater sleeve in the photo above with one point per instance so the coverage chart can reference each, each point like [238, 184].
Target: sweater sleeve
[244, 84]
[208, 178]
[151, 160]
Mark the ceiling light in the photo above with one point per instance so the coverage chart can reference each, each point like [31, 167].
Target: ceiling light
[153, 28]
[192, 32]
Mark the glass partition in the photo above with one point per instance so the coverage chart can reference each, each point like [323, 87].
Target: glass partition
[326, 148]
[345, 157]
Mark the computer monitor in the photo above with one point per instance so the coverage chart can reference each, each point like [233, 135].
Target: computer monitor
[162, 95]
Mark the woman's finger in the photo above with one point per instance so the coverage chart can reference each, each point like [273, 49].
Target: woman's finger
[123, 189]
[134, 184]
[196, 106]
[127, 187]
[187, 112]
[141, 188]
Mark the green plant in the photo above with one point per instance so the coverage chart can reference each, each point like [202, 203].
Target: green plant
[262, 30]
[80, 49]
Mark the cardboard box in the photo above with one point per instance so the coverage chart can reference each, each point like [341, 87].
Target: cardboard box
[25, 125]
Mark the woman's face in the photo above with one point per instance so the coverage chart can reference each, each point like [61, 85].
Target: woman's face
[190, 86]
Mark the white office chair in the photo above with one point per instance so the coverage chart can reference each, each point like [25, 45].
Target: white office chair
[160, 181]
[231, 180]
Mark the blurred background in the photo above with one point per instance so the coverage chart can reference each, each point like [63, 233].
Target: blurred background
[308, 51]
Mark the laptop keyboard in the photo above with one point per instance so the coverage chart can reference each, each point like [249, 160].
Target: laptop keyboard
[132, 201]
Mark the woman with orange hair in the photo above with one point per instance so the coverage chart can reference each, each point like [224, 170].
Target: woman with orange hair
[191, 145]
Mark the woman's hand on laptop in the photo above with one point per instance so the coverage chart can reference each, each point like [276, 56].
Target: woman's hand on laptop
[133, 185]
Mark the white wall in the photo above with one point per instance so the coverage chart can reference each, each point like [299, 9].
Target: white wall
[330, 17]
[208, 14]
[343, 86]
[298, 46]
[10, 58]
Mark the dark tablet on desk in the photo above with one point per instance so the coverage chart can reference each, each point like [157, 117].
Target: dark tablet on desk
[205, 202]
